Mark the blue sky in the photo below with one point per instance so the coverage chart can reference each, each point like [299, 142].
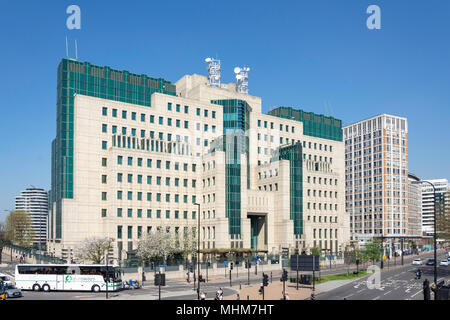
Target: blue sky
[317, 55]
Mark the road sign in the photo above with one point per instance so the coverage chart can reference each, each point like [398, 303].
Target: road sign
[162, 266]
[305, 262]
[255, 259]
[225, 262]
[330, 256]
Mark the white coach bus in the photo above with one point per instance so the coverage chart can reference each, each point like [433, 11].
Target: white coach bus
[67, 277]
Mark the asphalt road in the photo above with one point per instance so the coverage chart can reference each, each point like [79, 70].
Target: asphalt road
[396, 284]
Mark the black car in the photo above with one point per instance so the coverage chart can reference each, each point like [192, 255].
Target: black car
[430, 262]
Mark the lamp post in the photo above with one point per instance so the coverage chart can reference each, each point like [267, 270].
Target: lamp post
[198, 250]
[434, 233]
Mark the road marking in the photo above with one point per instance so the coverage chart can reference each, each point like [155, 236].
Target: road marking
[387, 292]
[348, 296]
[360, 290]
[376, 298]
[416, 294]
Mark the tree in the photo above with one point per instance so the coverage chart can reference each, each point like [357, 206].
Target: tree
[315, 251]
[19, 229]
[156, 245]
[189, 245]
[4, 239]
[93, 249]
[372, 250]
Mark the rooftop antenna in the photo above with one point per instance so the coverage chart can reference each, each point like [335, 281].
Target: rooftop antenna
[67, 48]
[242, 79]
[214, 70]
[76, 50]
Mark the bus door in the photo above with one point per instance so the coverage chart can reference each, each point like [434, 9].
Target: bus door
[60, 279]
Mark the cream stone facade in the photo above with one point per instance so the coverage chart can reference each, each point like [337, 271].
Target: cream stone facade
[138, 168]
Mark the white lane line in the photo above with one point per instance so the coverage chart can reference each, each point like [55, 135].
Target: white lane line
[387, 292]
[376, 298]
[360, 290]
[348, 296]
[415, 294]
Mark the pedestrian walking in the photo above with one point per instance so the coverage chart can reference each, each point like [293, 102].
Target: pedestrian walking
[238, 297]
[313, 296]
[287, 297]
[203, 296]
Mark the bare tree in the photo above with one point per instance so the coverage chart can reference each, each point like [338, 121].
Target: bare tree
[93, 249]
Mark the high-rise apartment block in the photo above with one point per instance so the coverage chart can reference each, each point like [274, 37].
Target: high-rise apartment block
[133, 154]
[34, 201]
[428, 200]
[376, 177]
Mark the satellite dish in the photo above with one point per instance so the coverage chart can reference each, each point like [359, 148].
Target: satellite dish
[237, 70]
[248, 69]
[239, 77]
[208, 60]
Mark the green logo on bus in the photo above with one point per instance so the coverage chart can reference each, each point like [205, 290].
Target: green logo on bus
[68, 278]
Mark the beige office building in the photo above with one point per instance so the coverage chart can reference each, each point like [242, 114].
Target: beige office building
[129, 161]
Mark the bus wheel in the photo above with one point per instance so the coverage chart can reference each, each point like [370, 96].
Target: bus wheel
[46, 288]
[95, 288]
[36, 287]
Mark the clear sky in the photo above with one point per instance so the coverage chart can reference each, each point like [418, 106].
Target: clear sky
[316, 55]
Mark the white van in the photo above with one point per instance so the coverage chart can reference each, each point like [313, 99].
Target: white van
[5, 279]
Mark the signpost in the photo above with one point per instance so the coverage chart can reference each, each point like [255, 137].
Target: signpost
[305, 263]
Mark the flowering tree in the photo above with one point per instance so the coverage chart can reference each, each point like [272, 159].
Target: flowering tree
[156, 245]
[93, 249]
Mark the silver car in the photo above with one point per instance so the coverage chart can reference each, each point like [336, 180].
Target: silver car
[12, 292]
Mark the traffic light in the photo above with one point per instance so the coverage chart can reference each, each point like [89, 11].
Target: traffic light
[191, 269]
[153, 265]
[237, 263]
[231, 265]
[261, 289]
[209, 264]
[265, 280]
[284, 276]
[246, 265]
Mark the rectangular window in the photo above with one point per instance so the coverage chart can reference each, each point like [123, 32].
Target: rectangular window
[119, 212]
[149, 213]
[124, 114]
[104, 128]
[119, 232]
[130, 213]
[130, 232]
[105, 111]
[133, 116]
[142, 117]
[114, 113]
[104, 145]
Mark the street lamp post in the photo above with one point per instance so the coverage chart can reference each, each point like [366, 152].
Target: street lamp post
[198, 250]
[434, 233]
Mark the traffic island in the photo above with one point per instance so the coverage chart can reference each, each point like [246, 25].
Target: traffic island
[274, 291]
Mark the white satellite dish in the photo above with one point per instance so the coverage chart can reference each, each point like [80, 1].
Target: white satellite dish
[208, 60]
[237, 70]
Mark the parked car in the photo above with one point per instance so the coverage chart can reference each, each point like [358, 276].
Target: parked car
[5, 279]
[417, 261]
[445, 263]
[430, 262]
[12, 292]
